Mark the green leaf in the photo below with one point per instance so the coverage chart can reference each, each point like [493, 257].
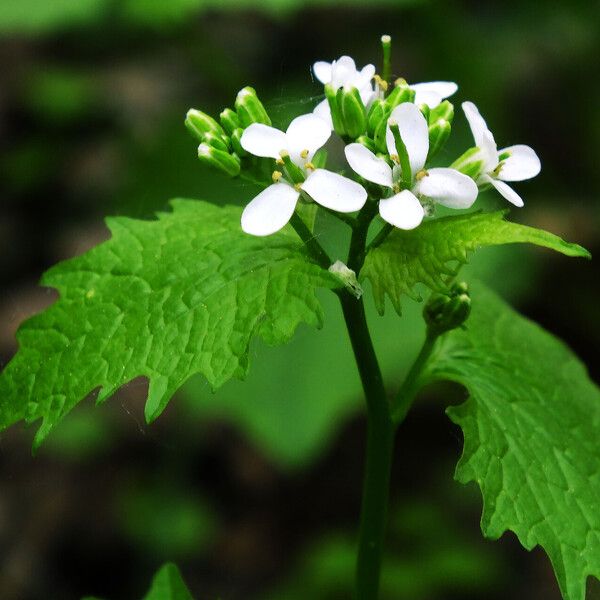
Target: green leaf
[163, 299]
[168, 584]
[436, 250]
[531, 436]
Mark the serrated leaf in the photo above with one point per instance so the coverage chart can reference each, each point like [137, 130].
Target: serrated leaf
[168, 584]
[531, 429]
[163, 299]
[435, 250]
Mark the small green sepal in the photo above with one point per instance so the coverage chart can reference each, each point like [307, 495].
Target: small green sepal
[444, 110]
[439, 132]
[353, 111]
[334, 108]
[469, 163]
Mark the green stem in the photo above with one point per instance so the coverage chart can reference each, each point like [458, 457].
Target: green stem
[358, 241]
[307, 236]
[380, 443]
[380, 237]
[408, 390]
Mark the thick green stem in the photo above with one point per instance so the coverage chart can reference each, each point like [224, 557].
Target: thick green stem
[380, 443]
[358, 241]
[411, 385]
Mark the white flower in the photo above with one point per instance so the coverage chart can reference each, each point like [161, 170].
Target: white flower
[433, 92]
[343, 73]
[445, 186]
[273, 207]
[514, 163]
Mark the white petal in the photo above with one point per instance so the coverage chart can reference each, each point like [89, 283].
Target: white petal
[507, 192]
[367, 165]
[414, 133]
[335, 191]
[270, 210]
[262, 140]
[307, 132]
[489, 152]
[343, 71]
[363, 78]
[523, 163]
[448, 187]
[323, 111]
[322, 71]
[402, 210]
[432, 90]
[476, 122]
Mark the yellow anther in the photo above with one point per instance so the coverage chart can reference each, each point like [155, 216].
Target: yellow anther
[395, 158]
[309, 166]
[396, 188]
[283, 153]
[276, 176]
[381, 83]
[279, 161]
[304, 153]
[422, 173]
[298, 187]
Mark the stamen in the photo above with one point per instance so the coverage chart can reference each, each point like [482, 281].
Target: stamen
[276, 176]
[304, 153]
[298, 187]
[381, 83]
[422, 173]
[395, 158]
[309, 166]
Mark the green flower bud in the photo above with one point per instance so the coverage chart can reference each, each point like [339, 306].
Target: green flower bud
[444, 110]
[219, 142]
[217, 159]
[229, 120]
[199, 124]
[367, 142]
[334, 108]
[444, 312]
[353, 111]
[439, 133]
[236, 136]
[378, 111]
[401, 93]
[249, 108]
[424, 108]
[469, 163]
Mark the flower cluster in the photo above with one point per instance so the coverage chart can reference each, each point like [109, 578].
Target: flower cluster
[391, 132]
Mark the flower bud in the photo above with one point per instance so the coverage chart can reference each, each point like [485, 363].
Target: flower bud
[401, 93]
[353, 111]
[219, 142]
[424, 108]
[229, 120]
[367, 142]
[378, 112]
[249, 108]
[199, 124]
[236, 144]
[444, 312]
[217, 159]
[439, 133]
[334, 108]
[444, 110]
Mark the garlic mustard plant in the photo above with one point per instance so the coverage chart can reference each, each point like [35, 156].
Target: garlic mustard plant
[187, 293]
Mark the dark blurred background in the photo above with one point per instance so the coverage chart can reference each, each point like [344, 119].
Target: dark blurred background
[254, 491]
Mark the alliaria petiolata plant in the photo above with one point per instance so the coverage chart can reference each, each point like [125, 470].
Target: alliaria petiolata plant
[186, 293]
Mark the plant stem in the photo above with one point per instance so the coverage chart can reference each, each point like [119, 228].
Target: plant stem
[380, 443]
[412, 383]
[380, 237]
[307, 236]
[356, 254]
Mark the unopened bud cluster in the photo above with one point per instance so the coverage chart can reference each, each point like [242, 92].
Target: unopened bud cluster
[446, 311]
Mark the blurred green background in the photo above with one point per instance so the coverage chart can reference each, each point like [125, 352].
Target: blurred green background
[255, 490]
